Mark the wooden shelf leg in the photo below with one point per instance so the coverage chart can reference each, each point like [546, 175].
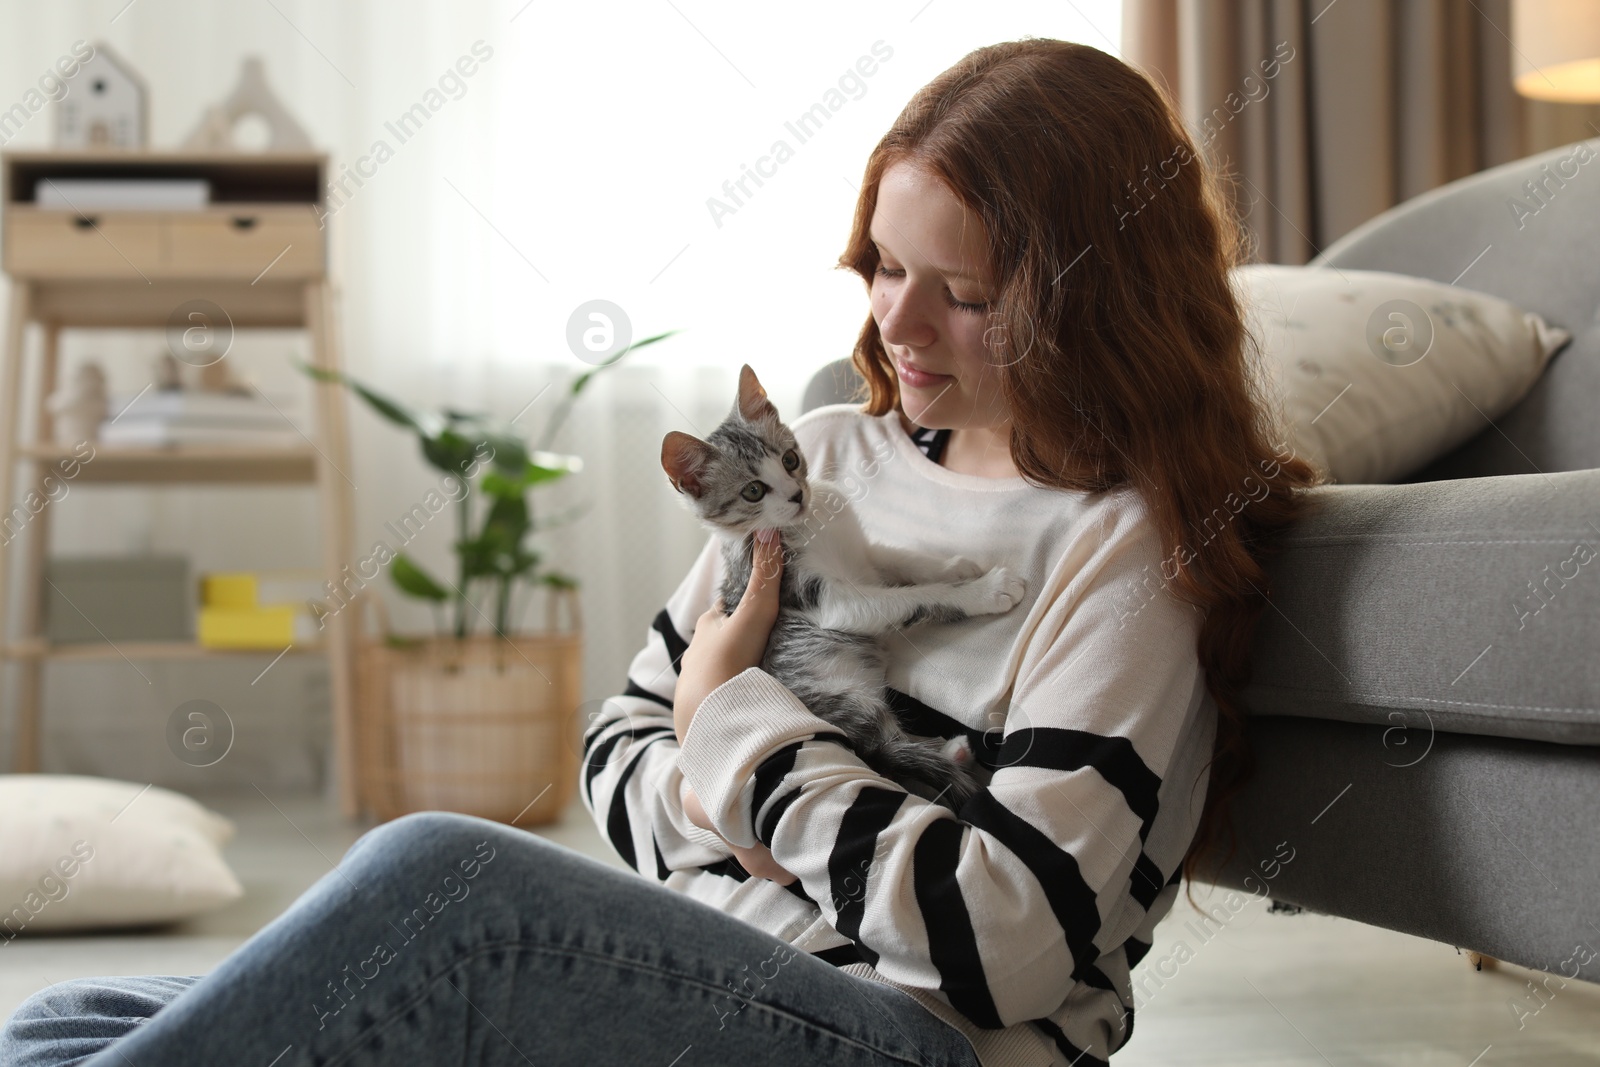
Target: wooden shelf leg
[334, 489]
[30, 690]
[25, 726]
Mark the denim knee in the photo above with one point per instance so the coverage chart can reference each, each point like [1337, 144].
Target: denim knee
[419, 831]
[430, 841]
[63, 999]
[83, 1013]
[125, 997]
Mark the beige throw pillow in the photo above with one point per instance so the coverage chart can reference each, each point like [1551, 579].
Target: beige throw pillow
[95, 852]
[1376, 374]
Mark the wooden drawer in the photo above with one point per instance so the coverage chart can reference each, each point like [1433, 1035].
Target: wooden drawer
[61, 244]
[218, 244]
[242, 244]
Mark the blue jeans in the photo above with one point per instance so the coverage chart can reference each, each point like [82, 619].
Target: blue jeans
[449, 939]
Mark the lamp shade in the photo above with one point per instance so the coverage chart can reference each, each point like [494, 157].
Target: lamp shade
[1555, 49]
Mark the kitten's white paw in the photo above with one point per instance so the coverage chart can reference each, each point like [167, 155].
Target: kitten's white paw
[961, 569]
[1015, 589]
[958, 750]
[997, 592]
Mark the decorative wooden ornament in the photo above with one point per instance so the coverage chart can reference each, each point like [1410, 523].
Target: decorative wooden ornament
[251, 96]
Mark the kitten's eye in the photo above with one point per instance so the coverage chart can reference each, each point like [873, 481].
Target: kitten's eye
[791, 460]
[754, 491]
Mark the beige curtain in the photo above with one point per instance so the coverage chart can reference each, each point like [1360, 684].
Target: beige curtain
[1326, 112]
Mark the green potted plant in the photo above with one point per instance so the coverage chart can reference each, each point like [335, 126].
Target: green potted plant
[480, 716]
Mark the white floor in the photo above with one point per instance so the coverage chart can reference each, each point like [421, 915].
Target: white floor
[1287, 990]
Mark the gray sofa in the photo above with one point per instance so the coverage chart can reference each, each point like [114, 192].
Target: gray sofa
[1426, 699]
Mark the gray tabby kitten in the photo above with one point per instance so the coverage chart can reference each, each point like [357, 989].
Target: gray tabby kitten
[839, 592]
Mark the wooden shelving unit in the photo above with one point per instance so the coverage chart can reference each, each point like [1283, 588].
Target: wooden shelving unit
[139, 650]
[218, 464]
[259, 252]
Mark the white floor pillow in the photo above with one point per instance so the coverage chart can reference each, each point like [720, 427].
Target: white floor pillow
[79, 852]
[1379, 373]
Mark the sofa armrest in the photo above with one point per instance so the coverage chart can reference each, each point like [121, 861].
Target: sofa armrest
[1470, 606]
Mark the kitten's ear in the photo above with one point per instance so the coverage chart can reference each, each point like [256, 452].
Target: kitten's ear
[683, 458]
[753, 403]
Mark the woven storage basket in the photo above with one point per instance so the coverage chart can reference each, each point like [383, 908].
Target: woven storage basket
[486, 725]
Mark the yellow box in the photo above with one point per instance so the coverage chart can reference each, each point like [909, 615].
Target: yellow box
[272, 627]
[228, 590]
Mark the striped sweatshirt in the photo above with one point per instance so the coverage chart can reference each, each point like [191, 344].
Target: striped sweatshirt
[1018, 919]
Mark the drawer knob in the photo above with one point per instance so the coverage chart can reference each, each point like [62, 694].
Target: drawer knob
[86, 222]
[244, 222]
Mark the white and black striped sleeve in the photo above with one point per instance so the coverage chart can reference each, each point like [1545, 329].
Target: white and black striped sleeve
[630, 780]
[1002, 911]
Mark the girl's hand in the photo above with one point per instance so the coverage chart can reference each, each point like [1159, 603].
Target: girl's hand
[758, 860]
[723, 646]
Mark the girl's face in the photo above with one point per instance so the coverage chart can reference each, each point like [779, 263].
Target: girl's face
[930, 299]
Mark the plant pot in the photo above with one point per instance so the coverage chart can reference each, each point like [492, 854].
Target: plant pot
[483, 725]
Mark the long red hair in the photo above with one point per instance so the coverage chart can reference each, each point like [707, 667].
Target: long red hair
[1122, 345]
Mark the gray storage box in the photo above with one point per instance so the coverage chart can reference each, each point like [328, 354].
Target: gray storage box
[129, 598]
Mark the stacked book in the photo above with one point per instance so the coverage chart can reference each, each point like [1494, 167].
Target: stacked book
[191, 417]
[265, 610]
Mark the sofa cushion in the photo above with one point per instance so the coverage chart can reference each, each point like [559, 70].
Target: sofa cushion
[1470, 606]
[1378, 373]
[1553, 428]
[1525, 231]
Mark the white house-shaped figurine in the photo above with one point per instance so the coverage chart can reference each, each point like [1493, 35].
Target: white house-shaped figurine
[106, 106]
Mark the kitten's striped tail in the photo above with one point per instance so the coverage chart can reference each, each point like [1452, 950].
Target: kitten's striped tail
[923, 767]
